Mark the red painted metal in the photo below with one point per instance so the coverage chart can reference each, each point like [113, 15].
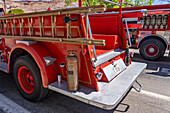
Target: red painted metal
[80, 3]
[26, 80]
[139, 28]
[48, 73]
[110, 40]
[101, 26]
[151, 50]
[166, 6]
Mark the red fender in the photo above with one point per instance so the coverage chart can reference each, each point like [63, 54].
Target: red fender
[38, 51]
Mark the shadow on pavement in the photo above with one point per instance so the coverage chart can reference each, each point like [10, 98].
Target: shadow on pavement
[155, 67]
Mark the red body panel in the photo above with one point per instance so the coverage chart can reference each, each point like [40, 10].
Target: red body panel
[113, 35]
[54, 50]
[166, 6]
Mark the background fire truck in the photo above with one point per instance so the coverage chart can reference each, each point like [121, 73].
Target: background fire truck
[151, 33]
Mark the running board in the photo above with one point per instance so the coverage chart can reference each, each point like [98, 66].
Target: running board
[107, 56]
[4, 67]
[109, 94]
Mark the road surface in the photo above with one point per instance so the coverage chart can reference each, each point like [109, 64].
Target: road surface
[154, 98]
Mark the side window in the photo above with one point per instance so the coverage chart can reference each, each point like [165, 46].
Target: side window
[0, 13]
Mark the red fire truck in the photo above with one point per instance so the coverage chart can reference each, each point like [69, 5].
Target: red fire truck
[61, 50]
[151, 33]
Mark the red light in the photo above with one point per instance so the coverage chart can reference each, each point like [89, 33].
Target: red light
[153, 32]
[49, 9]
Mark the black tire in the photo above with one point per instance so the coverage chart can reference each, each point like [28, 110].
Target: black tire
[152, 43]
[39, 92]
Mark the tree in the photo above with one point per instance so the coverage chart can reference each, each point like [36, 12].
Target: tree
[16, 11]
[126, 3]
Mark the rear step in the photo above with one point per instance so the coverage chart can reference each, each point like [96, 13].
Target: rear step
[109, 94]
[107, 56]
[4, 67]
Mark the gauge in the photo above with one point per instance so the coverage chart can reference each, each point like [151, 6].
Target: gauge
[159, 20]
[148, 20]
[144, 21]
[165, 20]
[153, 21]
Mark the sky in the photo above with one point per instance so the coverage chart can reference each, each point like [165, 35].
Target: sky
[158, 2]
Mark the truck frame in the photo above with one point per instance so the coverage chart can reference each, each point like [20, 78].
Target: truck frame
[150, 33]
[60, 50]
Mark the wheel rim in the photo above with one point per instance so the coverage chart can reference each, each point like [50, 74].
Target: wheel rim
[151, 50]
[26, 79]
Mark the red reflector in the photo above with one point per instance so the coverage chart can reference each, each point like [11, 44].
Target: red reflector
[153, 32]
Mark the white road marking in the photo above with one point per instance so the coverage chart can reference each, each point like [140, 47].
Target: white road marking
[8, 106]
[155, 95]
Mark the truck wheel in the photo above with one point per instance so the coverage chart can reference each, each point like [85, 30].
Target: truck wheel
[28, 79]
[152, 49]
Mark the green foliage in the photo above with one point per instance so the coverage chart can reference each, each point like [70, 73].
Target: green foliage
[143, 2]
[69, 2]
[126, 3]
[16, 11]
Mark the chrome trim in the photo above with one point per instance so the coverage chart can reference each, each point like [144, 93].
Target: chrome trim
[127, 29]
[160, 10]
[90, 32]
[140, 87]
[107, 56]
[28, 43]
[111, 2]
[48, 60]
[136, 11]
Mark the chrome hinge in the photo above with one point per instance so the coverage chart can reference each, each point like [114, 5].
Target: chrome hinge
[48, 60]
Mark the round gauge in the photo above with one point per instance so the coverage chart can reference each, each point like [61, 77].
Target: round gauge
[165, 20]
[148, 20]
[159, 20]
[153, 22]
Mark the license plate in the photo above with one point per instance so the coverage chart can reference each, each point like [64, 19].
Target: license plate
[116, 68]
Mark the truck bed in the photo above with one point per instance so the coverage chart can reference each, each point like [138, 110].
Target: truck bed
[109, 94]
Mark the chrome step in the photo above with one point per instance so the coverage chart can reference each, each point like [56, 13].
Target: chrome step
[107, 56]
[109, 94]
[4, 67]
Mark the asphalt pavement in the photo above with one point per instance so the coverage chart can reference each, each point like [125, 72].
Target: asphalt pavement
[154, 98]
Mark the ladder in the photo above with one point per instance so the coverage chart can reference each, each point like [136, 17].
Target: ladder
[7, 20]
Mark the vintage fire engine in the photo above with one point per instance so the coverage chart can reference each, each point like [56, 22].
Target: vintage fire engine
[63, 51]
[150, 33]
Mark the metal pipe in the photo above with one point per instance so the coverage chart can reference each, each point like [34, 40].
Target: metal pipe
[160, 10]
[87, 19]
[111, 2]
[80, 3]
[4, 6]
[128, 32]
[136, 11]
[120, 23]
[90, 32]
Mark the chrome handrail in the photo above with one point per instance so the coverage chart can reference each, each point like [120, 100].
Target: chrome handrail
[111, 2]
[90, 32]
[115, 12]
[129, 40]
